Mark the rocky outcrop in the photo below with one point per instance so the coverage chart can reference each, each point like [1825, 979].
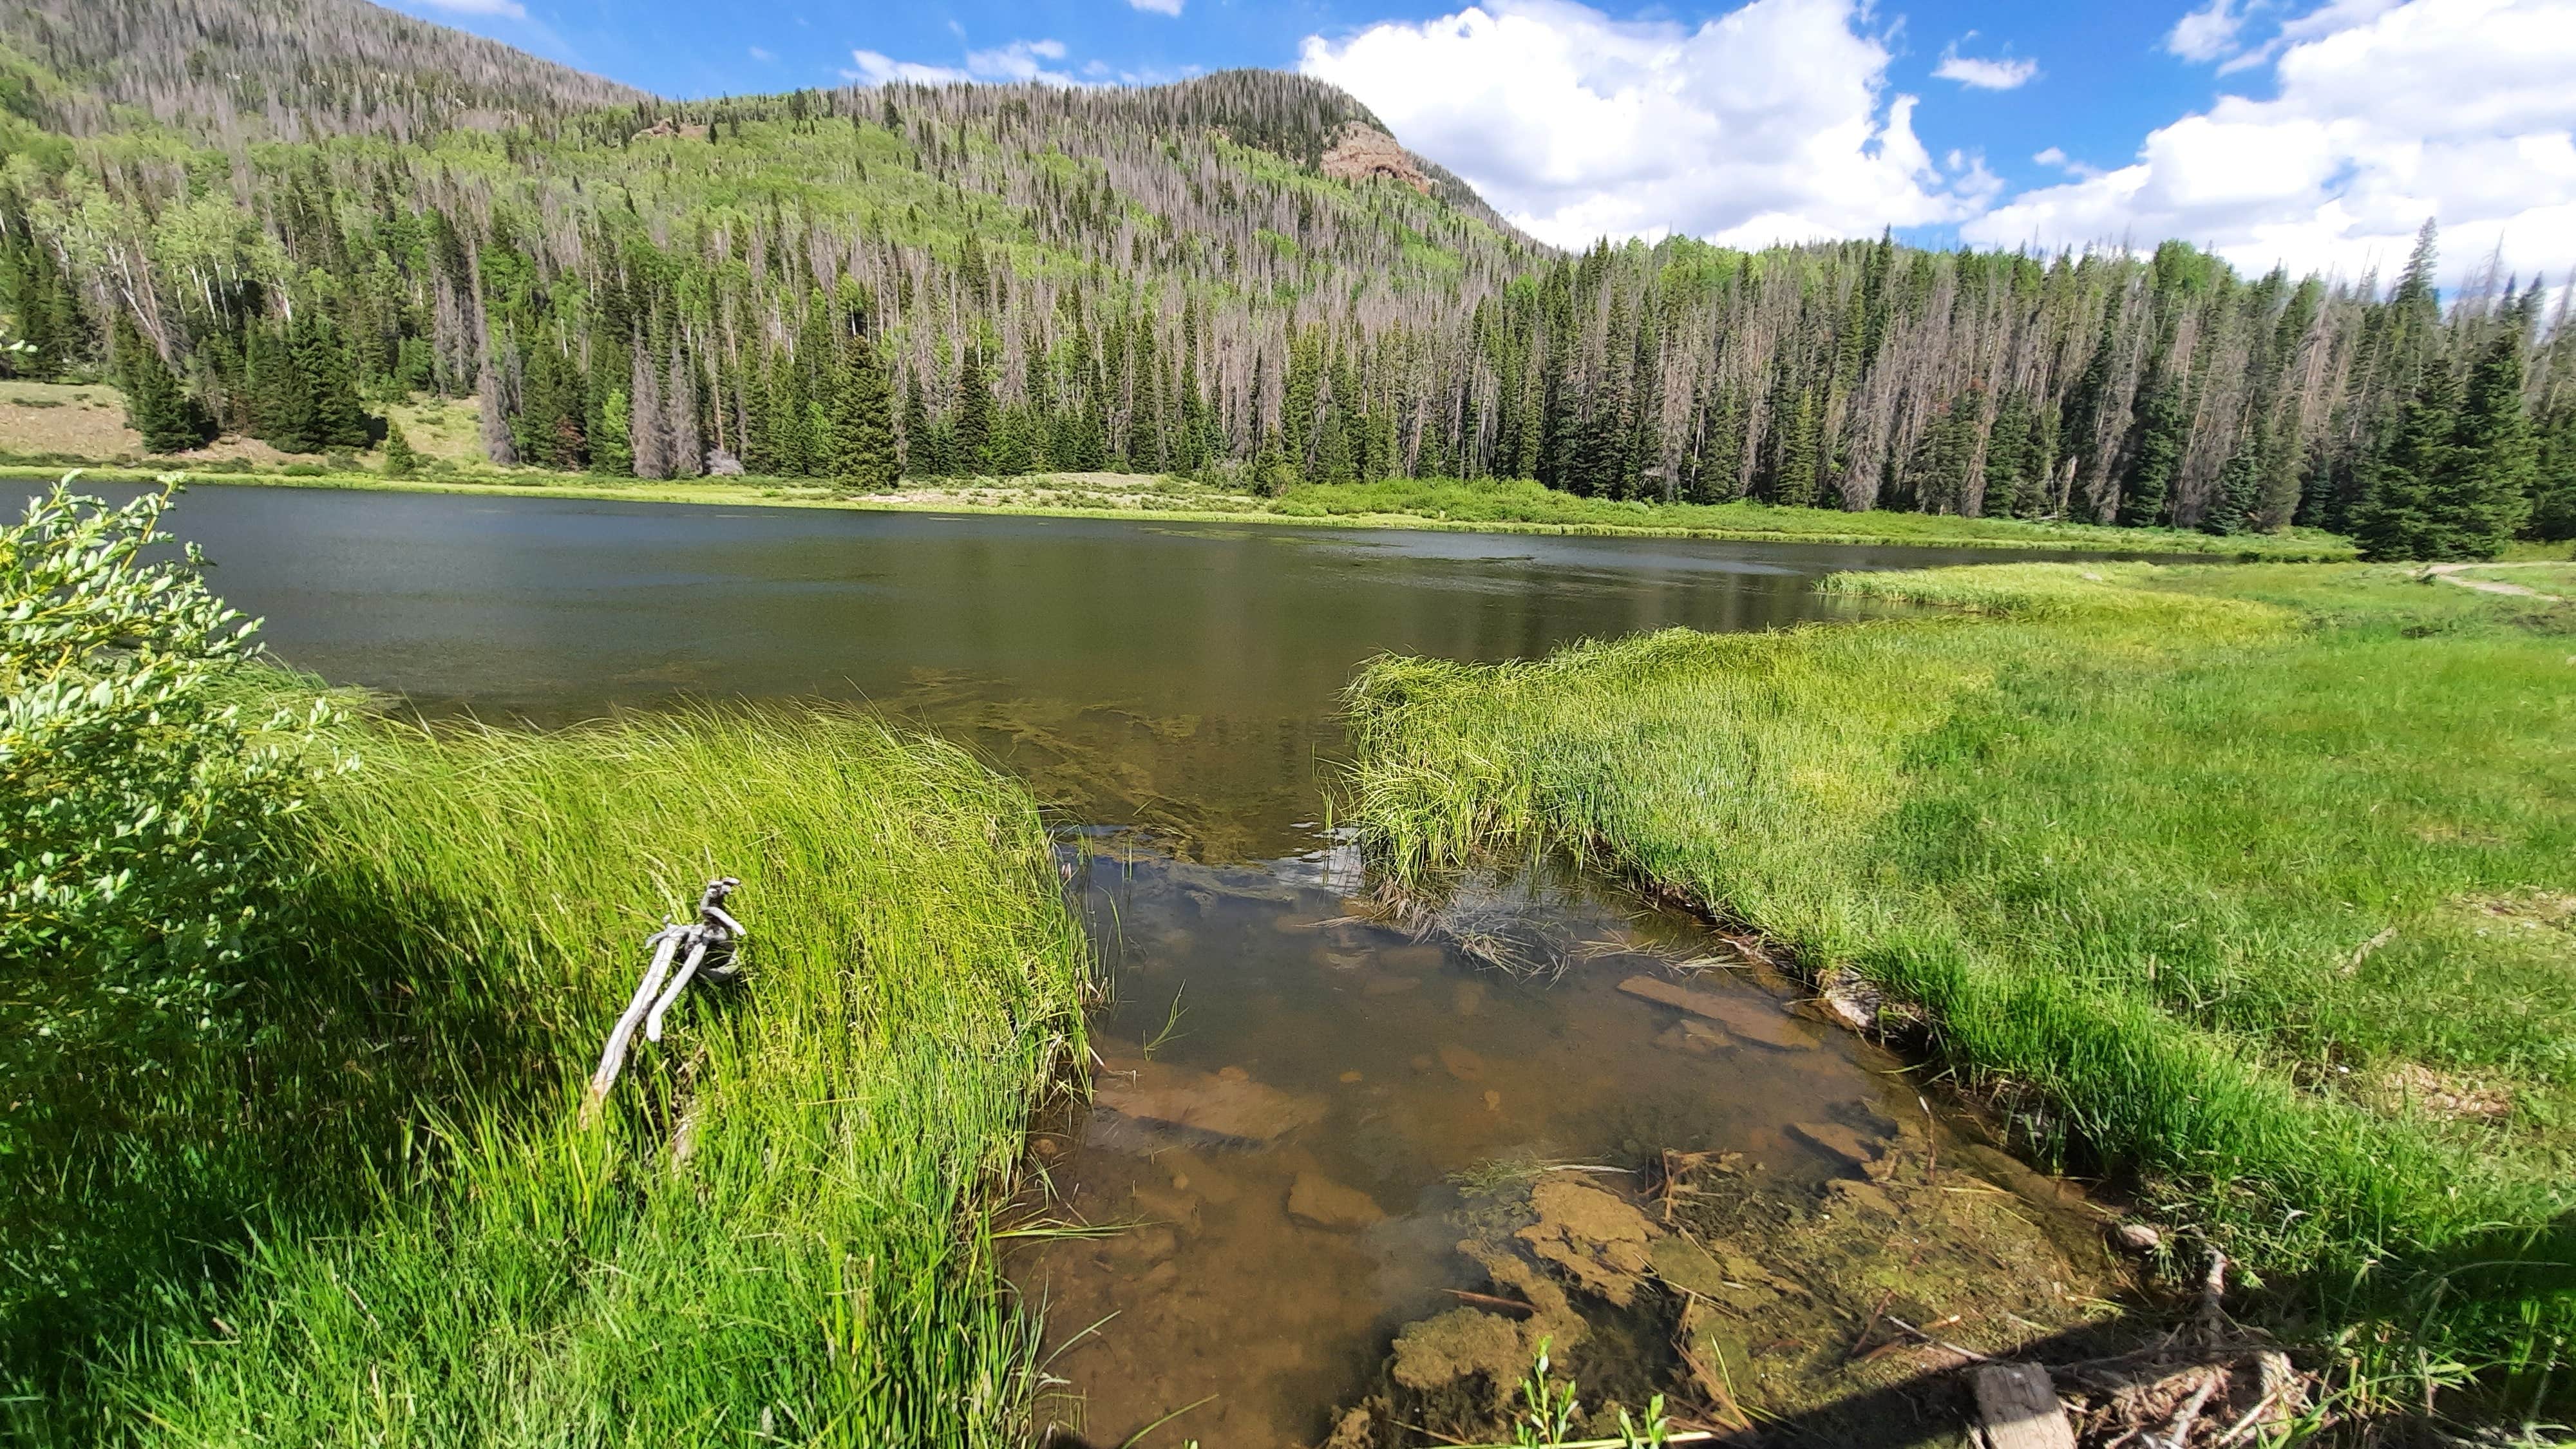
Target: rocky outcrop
[1364, 153]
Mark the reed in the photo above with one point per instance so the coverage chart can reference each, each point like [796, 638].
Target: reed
[2249, 884]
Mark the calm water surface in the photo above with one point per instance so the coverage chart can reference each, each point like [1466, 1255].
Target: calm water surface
[1172, 689]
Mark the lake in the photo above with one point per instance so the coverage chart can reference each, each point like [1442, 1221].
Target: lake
[1301, 1084]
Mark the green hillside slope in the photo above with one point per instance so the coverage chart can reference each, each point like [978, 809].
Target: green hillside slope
[272, 218]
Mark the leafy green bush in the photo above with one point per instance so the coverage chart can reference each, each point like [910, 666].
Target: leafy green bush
[135, 802]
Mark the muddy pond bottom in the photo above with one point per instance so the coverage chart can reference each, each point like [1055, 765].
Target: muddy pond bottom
[1361, 1157]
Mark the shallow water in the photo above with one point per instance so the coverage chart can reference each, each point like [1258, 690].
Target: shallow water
[1388, 1067]
[1170, 691]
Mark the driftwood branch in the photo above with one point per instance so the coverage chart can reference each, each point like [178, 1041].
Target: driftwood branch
[713, 934]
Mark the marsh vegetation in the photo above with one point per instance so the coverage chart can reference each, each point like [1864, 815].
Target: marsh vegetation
[2246, 885]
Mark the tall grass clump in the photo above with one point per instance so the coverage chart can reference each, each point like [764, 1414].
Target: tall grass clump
[373, 1215]
[2250, 884]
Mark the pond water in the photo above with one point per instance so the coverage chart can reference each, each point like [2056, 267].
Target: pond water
[1299, 1096]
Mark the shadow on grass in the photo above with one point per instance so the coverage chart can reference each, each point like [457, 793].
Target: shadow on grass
[128, 1206]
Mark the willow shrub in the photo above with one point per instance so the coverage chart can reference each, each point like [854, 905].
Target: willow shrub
[136, 804]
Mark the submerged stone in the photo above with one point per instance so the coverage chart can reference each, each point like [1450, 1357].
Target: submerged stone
[1753, 1021]
[1850, 1000]
[1158, 1204]
[1835, 1139]
[1319, 1202]
[1199, 1108]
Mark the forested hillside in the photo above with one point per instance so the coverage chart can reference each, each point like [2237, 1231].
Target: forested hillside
[266, 218]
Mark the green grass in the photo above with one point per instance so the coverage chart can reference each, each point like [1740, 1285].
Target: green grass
[382, 1223]
[2250, 885]
[2561, 549]
[1499, 502]
[2545, 577]
[1484, 506]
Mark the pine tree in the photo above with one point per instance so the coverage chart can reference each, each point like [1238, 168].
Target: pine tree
[2480, 501]
[1272, 474]
[1794, 473]
[971, 444]
[1014, 444]
[155, 405]
[48, 311]
[861, 420]
[400, 460]
[612, 448]
[549, 426]
[337, 421]
[2008, 457]
[2395, 520]
[759, 457]
[791, 433]
[2155, 449]
[921, 451]
[2553, 490]
[2239, 501]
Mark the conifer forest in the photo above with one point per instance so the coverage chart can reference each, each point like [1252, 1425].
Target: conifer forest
[269, 223]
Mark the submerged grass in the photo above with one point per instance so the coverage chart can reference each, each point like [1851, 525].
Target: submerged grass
[383, 1224]
[2247, 881]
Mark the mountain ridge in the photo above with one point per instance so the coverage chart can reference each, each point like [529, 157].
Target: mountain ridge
[933, 280]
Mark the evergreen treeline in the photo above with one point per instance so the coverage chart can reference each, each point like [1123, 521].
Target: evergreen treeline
[982, 279]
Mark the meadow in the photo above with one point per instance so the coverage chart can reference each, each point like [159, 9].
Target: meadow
[2250, 890]
[375, 1217]
[1476, 505]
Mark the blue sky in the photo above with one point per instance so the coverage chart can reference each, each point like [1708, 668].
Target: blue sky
[2317, 132]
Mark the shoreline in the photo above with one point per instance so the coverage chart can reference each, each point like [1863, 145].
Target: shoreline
[2017, 536]
[1930, 787]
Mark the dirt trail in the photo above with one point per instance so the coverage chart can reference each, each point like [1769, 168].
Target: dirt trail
[2451, 573]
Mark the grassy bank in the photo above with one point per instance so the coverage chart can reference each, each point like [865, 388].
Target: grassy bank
[1443, 504]
[2256, 886]
[380, 1223]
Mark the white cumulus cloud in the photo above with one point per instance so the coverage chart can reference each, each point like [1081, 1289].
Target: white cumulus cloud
[1157, 7]
[2460, 110]
[875, 69]
[1979, 73]
[2207, 33]
[1770, 123]
[1021, 60]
